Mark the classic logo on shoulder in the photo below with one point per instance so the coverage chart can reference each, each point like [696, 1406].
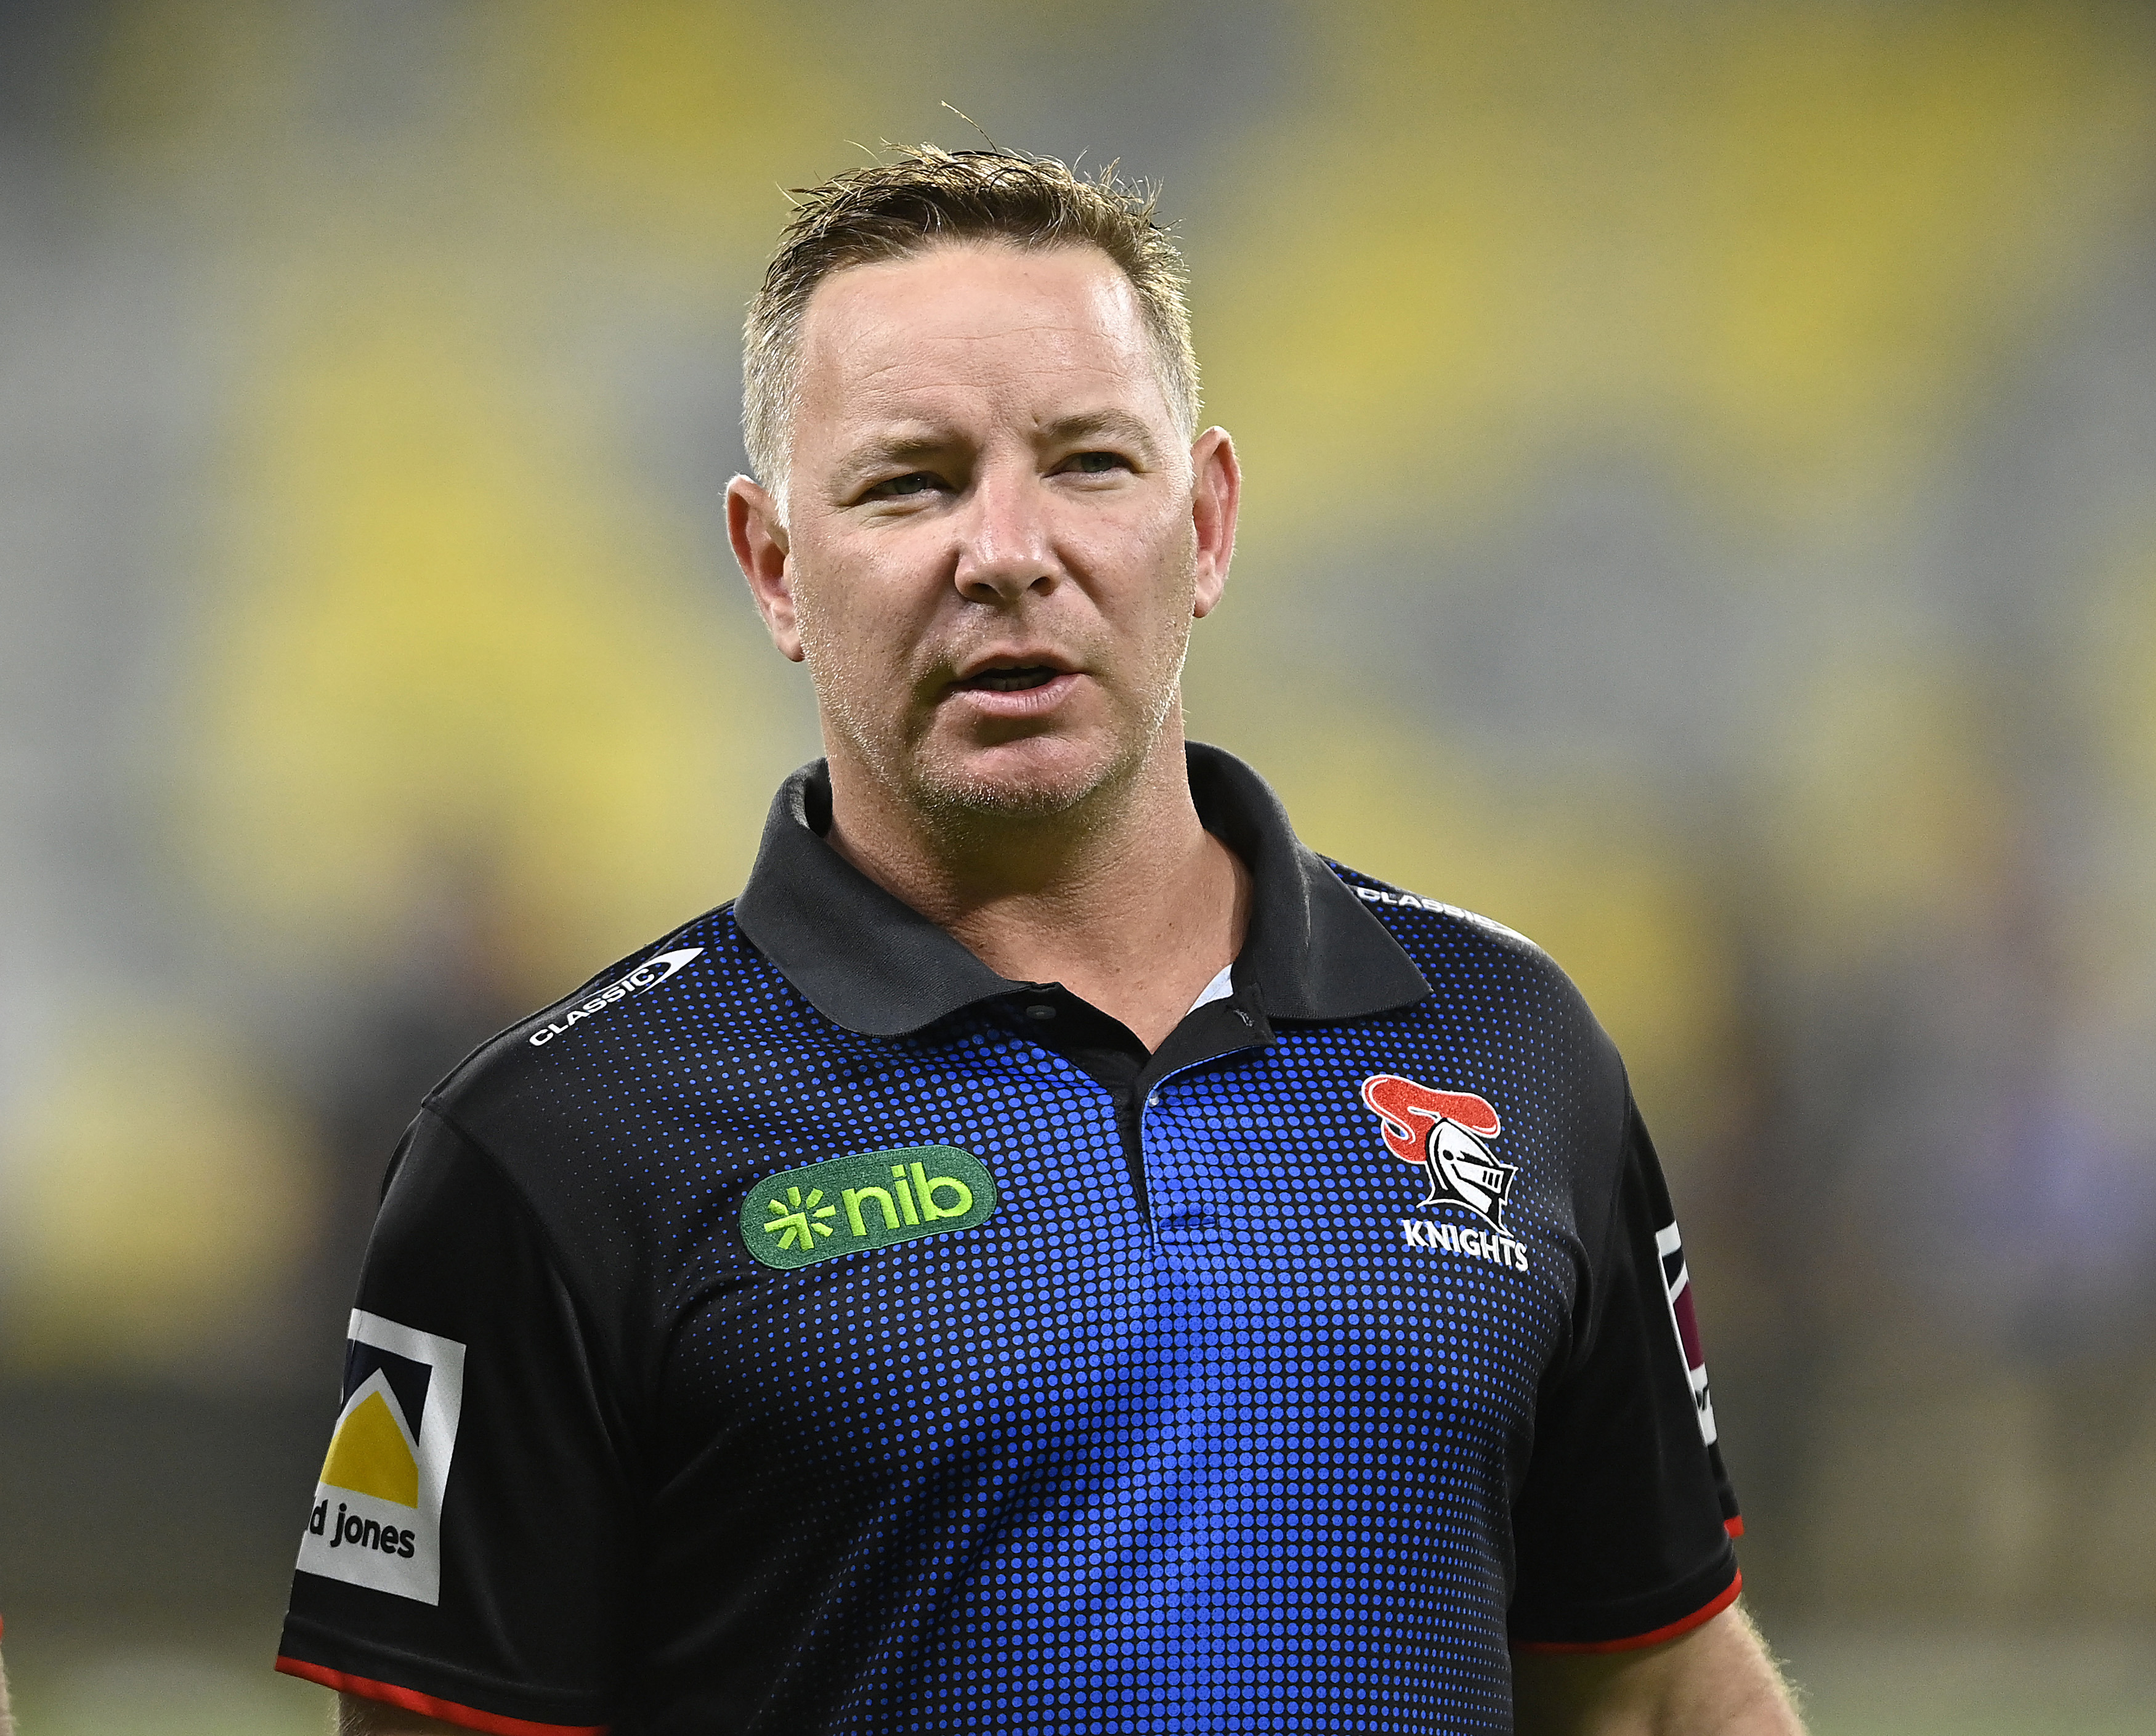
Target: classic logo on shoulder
[650, 974]
[377, 1511]
[1405, 901]
[1443, 1132]
[871, 1200]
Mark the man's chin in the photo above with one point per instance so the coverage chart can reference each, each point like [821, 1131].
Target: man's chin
[1038, 778]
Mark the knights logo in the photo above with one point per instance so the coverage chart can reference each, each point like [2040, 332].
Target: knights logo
[1443, 1131]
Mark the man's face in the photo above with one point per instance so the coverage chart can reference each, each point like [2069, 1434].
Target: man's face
[995, 539]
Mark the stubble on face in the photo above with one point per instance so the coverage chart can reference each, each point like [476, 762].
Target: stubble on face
[954, 784]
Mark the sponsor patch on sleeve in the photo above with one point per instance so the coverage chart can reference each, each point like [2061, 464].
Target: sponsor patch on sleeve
[377, 1518]
[1676, 1285]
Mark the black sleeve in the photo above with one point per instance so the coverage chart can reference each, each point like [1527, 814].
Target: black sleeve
[466, 1551]
[1621, 1532]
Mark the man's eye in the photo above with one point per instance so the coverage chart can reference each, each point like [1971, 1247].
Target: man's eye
[914, 482]
[1097, 464]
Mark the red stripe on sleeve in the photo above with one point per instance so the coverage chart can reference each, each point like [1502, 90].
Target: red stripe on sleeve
[1735, 1526]
[448, 1711]
[1698, 1618]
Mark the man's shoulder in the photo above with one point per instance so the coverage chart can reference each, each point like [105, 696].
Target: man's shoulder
[1424, 925]
[695, 981]
[1465, 955]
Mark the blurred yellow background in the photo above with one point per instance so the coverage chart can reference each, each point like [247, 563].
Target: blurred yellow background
[1700, 515]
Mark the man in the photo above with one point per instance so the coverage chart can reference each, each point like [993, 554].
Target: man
[1054, 1255]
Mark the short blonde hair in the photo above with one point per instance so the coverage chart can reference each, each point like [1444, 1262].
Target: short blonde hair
[928, 197]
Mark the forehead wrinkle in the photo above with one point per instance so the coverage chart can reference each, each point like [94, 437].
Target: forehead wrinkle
[910, 374]
[883, 383]
[890, 405]
[976, 350]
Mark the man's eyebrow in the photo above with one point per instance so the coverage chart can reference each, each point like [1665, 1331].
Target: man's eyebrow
[1118, 424]
[887, 451]
[879, 450]
[922, 445]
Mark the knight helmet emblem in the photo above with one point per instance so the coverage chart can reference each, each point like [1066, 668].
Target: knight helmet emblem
[1443, 1131]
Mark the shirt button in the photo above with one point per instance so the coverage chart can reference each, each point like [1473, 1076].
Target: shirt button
[1040, 1010]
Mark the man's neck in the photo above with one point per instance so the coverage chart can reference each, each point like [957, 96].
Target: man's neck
[1128, 902]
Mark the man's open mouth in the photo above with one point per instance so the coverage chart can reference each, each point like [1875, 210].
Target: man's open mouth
[1011, 681]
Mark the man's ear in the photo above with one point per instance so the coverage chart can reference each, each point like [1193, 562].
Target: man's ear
[758, 532]
[1216, 493]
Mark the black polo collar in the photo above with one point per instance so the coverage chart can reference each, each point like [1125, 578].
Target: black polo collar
[875, 965]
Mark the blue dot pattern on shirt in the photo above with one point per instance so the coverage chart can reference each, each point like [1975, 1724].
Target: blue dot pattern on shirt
[1282, 1449]
[1246, 1467]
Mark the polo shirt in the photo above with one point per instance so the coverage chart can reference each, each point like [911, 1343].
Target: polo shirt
[803, 1328]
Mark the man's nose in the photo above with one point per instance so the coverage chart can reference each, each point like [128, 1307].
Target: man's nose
[1005, 548]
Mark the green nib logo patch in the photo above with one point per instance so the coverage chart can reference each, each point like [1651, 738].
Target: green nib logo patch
[871, 1200]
